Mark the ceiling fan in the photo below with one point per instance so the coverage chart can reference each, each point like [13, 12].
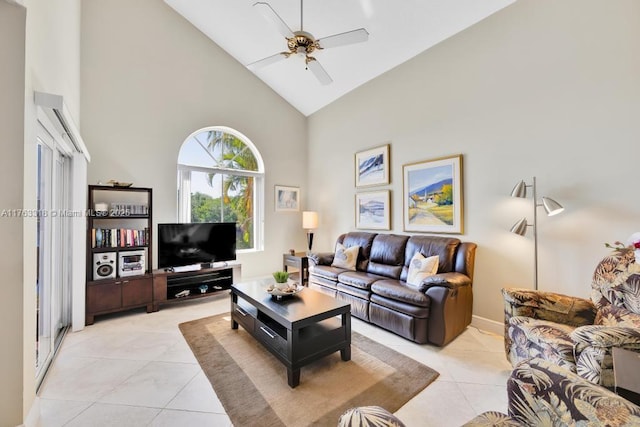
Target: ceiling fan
[303, 44]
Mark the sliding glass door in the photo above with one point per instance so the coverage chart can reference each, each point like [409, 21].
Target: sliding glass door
[53, 272]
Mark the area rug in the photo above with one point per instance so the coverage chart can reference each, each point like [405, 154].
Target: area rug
[252, 384]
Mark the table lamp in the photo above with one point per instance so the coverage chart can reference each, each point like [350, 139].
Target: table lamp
[309, 223]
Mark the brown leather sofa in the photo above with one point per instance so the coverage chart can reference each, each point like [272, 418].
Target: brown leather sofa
[436, 312]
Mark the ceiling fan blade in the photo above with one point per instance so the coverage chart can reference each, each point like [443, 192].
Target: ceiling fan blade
[317, 70]
[350, 37]
[271, 16]
[268, 60]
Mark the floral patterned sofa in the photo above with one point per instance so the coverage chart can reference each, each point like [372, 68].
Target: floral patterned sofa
[574, 333]
[540, 393]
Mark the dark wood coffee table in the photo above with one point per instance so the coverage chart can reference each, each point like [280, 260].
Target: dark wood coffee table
[297, 329]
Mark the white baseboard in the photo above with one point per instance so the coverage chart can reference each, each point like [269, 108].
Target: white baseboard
[487, 325]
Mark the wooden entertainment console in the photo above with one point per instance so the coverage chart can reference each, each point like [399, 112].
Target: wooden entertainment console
[168, 286]
[119, 257]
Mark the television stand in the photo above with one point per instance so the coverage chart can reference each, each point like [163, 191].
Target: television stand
[170, 286]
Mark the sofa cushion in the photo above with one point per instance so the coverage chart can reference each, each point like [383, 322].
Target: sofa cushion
[444, 247]
[387, 255]
[362, 239]
[540, 338]
[394, 306]
[326, 271]
[345, 257]
[399, 291]
[358, 279]
[364, 294]
[420, 268]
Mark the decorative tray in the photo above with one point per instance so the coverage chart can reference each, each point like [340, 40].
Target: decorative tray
[119, 184]
[273, 291]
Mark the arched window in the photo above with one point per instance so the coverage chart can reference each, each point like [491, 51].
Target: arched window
[221, 179]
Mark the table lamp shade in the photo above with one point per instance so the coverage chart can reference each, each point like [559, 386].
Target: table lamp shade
[309, 220]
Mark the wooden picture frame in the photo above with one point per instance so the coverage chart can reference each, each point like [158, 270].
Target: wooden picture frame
[432, 196]
[372, 166]
[287, 199]
[373, 210]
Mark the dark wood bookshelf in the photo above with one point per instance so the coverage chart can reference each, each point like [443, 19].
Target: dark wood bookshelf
[110, 290]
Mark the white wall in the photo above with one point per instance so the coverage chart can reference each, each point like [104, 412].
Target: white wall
[150, 79]
[542, 88]
[40, 47]
[12, 335]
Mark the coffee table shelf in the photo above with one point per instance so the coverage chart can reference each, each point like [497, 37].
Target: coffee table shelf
[297, 330]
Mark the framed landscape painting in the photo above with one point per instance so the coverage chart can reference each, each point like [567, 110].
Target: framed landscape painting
[372, 166]
[287, 198]
[372, 210]
[432, 199]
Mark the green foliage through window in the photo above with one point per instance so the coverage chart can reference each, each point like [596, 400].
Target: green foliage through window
[230, 195]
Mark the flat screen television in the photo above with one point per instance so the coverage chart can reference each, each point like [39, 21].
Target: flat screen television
[196, 243]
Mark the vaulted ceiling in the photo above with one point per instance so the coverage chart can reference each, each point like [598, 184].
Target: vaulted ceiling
[398, 30]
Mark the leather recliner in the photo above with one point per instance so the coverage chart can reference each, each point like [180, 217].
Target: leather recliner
[436, 311]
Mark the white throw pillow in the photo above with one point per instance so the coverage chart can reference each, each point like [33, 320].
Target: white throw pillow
[345, 257]
[421, 267]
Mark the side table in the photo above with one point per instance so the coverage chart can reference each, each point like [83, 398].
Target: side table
[300, 262]
[626, 373]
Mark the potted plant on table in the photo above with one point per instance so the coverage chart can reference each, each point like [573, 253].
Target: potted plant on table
[281, 278]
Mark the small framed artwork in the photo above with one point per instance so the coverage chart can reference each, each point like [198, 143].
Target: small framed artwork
[287, 198]
[372, 210]
[432, 195]
[372, 166]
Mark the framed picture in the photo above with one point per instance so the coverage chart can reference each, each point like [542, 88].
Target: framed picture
[372, 210]
[432, 199]
[287, 198]
[372, 166]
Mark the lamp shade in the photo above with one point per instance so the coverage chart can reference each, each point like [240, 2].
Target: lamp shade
[309, 220]
[520, 190]
[520, 227]
[551, 206]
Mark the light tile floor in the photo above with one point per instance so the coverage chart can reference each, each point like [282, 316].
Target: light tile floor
[135, 369]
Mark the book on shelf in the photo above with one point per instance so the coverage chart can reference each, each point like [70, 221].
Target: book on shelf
[118, 237]
[126, 209]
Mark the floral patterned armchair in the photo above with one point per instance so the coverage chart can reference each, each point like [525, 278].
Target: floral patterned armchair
[542, 393]
[575, 333]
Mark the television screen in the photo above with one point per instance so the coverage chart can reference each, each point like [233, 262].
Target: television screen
[197, 243]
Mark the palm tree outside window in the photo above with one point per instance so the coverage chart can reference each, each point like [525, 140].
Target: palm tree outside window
[221, 179]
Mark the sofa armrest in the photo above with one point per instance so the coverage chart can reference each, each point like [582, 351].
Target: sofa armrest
[593, 350]
[448, 280]
[605, 336]
[322, 258]
[451, 304]
[549, 306]
[542, 393]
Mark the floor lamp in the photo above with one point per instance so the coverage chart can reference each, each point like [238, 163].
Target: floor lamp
[550, 206]
[309, 223]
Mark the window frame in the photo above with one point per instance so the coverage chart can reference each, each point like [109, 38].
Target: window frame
[184, 184]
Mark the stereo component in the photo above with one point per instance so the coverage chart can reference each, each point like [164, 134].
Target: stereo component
[104, 265]
[131, 263]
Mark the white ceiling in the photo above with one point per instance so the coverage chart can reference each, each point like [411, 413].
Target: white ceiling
[398, 30]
